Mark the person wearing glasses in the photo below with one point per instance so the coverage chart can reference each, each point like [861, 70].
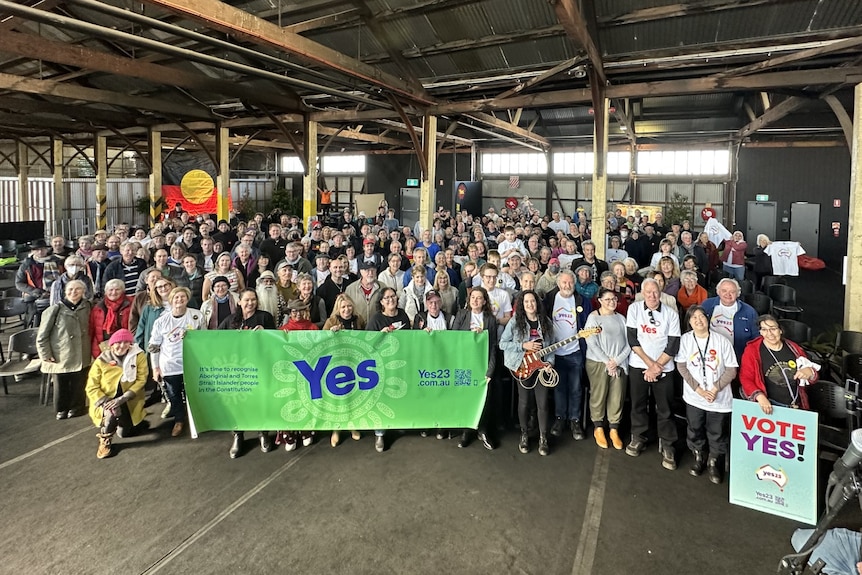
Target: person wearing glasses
[707, 364]
[775, 370]
[731, 317]
[498, 298]
[389, 318]
[653, 335]
[607, 365]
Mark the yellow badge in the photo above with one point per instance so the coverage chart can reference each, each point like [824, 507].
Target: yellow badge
[579, 309]
[791, 364]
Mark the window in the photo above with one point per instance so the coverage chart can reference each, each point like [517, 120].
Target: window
[514, 164]
[291, 165]
[343, 164]
[684, 162]
[570, 163]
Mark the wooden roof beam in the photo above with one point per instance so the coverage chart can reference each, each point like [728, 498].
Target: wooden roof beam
[575, 22]
[69, 92]
[221, 16]
[81, 57]
[494, 122]
[772, 115]
[680, 9]
[546, 75]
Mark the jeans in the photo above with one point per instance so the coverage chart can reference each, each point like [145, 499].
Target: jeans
[176, 389]
[569, 393]
[839, 548]
[738, 272]
[707, 428]
[112, 419]
[540, 392]
[69, 391]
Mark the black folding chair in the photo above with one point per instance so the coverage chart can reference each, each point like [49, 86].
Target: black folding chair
[761, 303]
[784, 302]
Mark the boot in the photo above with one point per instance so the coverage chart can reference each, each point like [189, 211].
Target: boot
[616, 440]
[524, 442]
[104, 449]
[577, 430]
[715, 469]
[599, 435]
[543, 444]
[236, 448]
[698, 464]
[265, 441]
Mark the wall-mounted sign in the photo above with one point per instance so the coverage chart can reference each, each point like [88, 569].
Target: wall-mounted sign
[836, 203]
[761, 197]
[411, 183]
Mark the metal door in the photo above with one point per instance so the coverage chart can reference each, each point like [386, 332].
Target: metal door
[805, 226]
[409, 206]
[762, 217]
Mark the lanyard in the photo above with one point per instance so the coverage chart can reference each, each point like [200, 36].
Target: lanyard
[793, 396]
[702, 353]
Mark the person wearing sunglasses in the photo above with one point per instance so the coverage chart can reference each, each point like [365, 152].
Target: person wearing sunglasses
[653, 334]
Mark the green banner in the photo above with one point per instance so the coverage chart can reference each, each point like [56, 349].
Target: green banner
[321, 380]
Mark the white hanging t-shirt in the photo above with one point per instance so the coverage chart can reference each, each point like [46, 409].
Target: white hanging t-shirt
[784, 256]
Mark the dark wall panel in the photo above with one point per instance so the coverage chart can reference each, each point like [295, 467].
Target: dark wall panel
[387, 174]
[787, 175]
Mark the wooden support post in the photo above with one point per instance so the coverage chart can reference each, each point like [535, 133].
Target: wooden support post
[428, 184]
[101, 158]
[309, 181]
[600, 175]
[223, 178]
[23, 184]
[853, 287]
[157, 201]
[59, 192]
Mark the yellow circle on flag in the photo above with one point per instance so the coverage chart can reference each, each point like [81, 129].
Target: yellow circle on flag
[197, 186]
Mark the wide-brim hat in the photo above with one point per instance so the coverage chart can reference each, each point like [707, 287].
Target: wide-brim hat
[37, 244]
[296, 305]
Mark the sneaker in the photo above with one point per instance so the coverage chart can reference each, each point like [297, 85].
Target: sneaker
[307, 438]
[423, 433]
[635, 447]
[524, 443]
[599, 435]
[557, 427]
[667, 456]
[441, 435]
[615, 438]
[166, 412]
[379, 444]
[577, 430]
[289, 440]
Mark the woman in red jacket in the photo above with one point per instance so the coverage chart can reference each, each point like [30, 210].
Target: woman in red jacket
[109, 315]
[775, 370]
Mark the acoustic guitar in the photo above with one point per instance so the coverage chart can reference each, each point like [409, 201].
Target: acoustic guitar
[533, 360]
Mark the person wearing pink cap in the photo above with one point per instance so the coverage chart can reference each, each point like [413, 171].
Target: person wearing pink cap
[115, 389]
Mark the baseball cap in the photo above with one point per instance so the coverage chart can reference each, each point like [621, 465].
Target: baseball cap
[367, 241]
[554, 261]
[431, 293]
[316, 226]
[367, 265]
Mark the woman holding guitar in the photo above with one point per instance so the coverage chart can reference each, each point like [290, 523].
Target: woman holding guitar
[530, 327]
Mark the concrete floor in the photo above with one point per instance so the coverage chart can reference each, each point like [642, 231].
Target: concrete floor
[177, 505]
[424, 506]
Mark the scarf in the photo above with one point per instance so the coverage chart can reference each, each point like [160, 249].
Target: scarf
[70, 305]
[299, 325]
[112, 315]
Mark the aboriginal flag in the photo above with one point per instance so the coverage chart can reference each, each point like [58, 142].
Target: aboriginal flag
[189, 178]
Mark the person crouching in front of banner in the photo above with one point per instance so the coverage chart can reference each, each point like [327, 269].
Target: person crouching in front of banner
[478, 317]
[707, 363]
[166, 351]
[389, 317]
[115, 389]
[248, 317]
[528, 332]
[344, 316]
[299, 319]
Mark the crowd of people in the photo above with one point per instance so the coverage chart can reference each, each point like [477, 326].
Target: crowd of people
[112, 315]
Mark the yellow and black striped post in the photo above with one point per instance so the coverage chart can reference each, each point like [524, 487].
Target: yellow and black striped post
[101, 183]
[157, 201]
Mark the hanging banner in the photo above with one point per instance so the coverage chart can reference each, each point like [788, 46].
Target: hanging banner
[321, 380]
[773, 460]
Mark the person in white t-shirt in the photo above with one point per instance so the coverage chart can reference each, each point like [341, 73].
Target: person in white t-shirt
[730, 317]
[498, 298]
[707, 364]
[653, 333]
[557, 224]
[510, 245]
[166, 351]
